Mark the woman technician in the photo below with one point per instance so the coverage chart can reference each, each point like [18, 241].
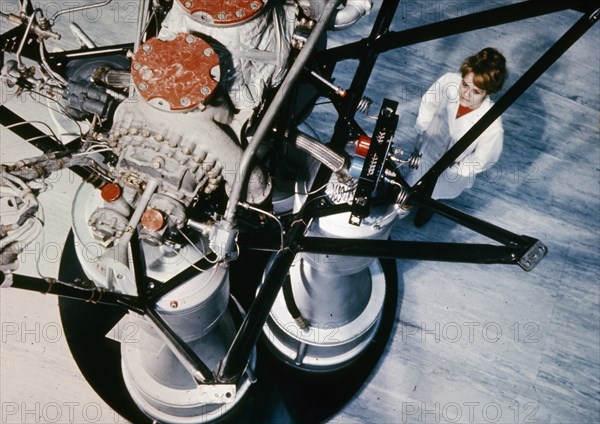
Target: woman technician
[451, 106]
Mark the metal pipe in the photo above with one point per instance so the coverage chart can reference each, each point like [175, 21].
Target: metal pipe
[351, 13]
[142, 17]
[47, 67]
[264, 127]
[22, 43]
[83, 38]
[77, 9]
[119, 251]
[340, 91]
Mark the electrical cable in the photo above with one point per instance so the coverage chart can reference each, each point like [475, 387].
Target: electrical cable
[270, 215]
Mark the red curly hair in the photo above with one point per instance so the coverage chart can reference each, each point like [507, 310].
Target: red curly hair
[489, 69]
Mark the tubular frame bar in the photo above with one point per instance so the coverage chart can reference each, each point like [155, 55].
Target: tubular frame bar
[426, 251]
[367, 60]
[188, 358]
[94, 295]
[58, 57]
[488, 18]
[484, 228]
[234, 363]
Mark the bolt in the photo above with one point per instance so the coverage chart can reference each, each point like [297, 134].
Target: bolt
[147, 73]
[205, 90]
[185, 102]
[158, 163]
[208, 52]
[151, 286]
[137, 66]
[188, 4]
[145, 133]
[221, 16]
[254, 5]
[146, 47]
[174, 304]
[240, 13]
[190, 39]
[143, 86]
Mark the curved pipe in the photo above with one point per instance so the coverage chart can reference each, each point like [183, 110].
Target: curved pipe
[77, 9]
[342, 18]
[350, 14]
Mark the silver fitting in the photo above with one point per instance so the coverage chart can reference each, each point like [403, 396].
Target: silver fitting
[223, 242]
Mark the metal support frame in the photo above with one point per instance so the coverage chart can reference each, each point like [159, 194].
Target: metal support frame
[82, 291]
[515, 250]
[493, 17]
[233, 364]
[188, 358]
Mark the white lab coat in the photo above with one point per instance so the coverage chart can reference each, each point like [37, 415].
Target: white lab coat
[439, 130]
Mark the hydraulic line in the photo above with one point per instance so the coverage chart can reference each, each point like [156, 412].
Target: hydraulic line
[319, 151]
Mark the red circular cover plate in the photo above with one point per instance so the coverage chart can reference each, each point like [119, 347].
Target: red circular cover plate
[110, 192]
[153, 220]
[226, 12]
[175, 75]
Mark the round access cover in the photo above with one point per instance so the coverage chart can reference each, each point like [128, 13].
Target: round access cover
[175, 75]
[226, 12]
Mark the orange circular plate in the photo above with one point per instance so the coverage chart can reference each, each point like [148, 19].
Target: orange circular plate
[175, 75]
[153, 220]
[227, 12]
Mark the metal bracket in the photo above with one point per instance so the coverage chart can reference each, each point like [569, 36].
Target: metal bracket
[533, 256]
[374, 161]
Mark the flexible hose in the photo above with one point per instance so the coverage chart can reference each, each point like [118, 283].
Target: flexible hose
[319, 151]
